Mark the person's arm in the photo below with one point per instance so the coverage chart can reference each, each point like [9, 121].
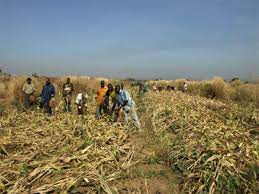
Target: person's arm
[125, 98]
[53, 92]
[41, 95]
[24, 88]
[78, 99]
[72, 87]
[33, 88]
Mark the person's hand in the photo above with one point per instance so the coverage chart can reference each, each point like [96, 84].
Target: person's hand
[117, 110]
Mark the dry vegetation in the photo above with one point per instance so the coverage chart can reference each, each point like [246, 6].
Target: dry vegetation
[214, 146]
[207, 136]
[219, 89]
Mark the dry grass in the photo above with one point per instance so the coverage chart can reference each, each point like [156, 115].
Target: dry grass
[11, 89]
[215, 149]
[65, 153]
[62, 154]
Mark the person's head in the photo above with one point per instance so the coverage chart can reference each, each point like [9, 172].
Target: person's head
[28, 80]
[47, 80]
[117, 89]
[68, 80]
[102, 83]
[122, 84]
[110, 87]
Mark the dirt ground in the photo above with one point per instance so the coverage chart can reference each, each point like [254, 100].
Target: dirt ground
[152, 175]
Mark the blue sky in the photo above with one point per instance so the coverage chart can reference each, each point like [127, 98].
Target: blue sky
[131, 38]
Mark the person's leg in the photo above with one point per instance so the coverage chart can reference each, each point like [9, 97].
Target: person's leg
[126, 118]
[98, 112]
[69, 98]
[69, 107]
[105, 108]
[111, 110]
[134, 117]
[26, 101]
[79, 110]
[47, 108]
[116, 116]
[65, 103]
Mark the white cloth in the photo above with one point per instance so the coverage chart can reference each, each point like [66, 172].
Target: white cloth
[185, 87]
[80, 96]
[28, 88]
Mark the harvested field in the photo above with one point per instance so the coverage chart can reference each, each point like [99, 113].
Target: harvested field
[214, 147]
[190, 144]
[58, 154]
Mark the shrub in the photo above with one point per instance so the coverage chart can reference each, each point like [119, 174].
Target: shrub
[207, 91]
[218, 85]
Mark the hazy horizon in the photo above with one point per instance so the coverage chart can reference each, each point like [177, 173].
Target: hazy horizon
[131, 39]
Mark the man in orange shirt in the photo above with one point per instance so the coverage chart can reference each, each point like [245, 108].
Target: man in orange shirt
[101, 92]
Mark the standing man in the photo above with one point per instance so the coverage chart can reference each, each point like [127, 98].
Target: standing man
[110, 95]
[68, 89]
[145, 88]
[127, 105]
[28, 91]
[48, 92]
[101, 92]
[141, 87]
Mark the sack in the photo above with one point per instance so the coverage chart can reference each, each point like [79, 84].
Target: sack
[33, 98]
[53, 103]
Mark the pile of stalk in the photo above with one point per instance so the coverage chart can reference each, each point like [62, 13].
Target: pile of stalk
[216, 146]
[61, 154]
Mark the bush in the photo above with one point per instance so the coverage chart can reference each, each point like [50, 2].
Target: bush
[207, 91]
[195, 89]
[218, 86]
[244, 93]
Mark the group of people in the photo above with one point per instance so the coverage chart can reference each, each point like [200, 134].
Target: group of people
[160, 88]
[109, 100]
[112, 100]
[48, 92]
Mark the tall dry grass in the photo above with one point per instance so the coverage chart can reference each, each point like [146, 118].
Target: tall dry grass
[11, 89]
[217, 88]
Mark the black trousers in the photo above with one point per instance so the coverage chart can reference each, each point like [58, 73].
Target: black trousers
[46, 107]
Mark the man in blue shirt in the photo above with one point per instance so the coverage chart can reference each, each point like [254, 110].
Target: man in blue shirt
[126, 103]
[48, 92]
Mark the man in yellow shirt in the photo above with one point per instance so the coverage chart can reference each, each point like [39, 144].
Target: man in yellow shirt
[110, 94]
[101, 92]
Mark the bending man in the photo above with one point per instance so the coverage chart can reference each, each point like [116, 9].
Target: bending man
[127, 105]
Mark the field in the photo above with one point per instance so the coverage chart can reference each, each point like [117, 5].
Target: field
[201, 141]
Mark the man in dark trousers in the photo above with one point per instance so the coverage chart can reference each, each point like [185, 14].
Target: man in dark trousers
[48, 92]
[101, 92]
[28, 90]
[68, 89]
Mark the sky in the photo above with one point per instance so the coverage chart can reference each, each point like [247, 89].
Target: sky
[169, 39]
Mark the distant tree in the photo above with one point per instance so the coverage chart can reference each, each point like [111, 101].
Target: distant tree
[35, 75]
[235, 79]
[0, 70]
[131, 79]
